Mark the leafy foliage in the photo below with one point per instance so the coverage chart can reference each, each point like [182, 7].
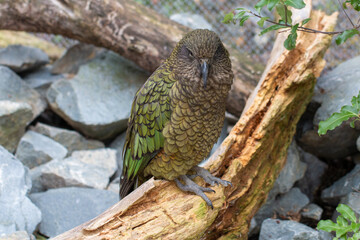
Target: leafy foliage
[285, 21]
[345, 114]
[290, 42]
[346, 35]
[346, 224]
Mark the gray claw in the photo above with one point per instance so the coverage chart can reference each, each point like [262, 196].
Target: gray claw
[190, 186]
[208, 178]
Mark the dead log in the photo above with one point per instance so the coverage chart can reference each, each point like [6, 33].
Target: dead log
[251, 157]
[126, 27]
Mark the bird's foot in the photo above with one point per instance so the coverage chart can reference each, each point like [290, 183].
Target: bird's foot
[208, 178]
[190, 186]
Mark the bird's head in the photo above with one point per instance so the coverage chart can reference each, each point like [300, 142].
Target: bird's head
[200, 57]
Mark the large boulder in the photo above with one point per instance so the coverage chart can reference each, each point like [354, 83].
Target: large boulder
[14, 118]
[97, 101]
[22, 58]
[74, 57]
[334, 90]
[18, 213]
[312, 179]
[342, 187]
[18, 235]
[72, 140]
[41, 79]
[66, 208]
[275, 229]
[35, 149]
[88, 168]
[14, 95]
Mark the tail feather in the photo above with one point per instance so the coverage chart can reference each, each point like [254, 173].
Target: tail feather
[126, 186]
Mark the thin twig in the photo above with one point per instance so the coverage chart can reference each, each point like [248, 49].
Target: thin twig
[303, 29]
[342, 7]
[285, 14]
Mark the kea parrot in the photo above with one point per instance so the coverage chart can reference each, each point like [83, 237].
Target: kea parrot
[178, 114]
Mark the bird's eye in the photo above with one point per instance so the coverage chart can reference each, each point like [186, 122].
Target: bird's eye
[190, 54]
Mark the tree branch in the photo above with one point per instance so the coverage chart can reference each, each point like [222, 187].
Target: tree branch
[126, 27]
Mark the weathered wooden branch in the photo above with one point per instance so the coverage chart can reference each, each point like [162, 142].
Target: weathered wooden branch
[251, 157]
[126, 27]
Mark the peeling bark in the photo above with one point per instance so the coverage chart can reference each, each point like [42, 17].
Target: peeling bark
[251, 157]
[126, 27]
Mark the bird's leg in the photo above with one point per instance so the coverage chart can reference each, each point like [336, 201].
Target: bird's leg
[190, 186]
[208, 178]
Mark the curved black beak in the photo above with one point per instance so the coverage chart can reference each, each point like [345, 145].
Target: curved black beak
[204, 72]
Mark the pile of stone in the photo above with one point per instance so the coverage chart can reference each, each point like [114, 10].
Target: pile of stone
[62, 129]
[52, 177]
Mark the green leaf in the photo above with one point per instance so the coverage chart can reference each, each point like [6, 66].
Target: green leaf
[342, 231]
[327, 226]
[305, 21]
[352, 123]
[260, 5]
[341, 221]
[241, 9]
[356, 235]
[355, 101]
[290, 42]
[228, 18]
[346, 35]
[298, 4]
[346, 212]
[280, 9]
[336, 119]
[261, 21]
[272, 3]
[243, 19]
[355, 4]
[239, 15]
[271, 28]
[355, 227]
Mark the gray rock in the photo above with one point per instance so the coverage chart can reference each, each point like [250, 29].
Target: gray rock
[118, 145]
[98, 108]
[334, 90]
[13, 88]
[19, 235]
[22, 58]
[72, 140]
[35, 149]
[74, 57]
[274, 229]
[293, 170]
[353, 201]
[18, 213]
[14, 117]
[342, 187]
[88, 168]
[335, 144]
[311, 181]
[291, 203]
[66, 208]
[194, 21]
[41, 79]
[312, 211]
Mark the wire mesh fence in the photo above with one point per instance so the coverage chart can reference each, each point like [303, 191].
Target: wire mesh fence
[244, 38]
[247, 38]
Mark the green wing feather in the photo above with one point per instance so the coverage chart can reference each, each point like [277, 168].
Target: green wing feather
[150, 111]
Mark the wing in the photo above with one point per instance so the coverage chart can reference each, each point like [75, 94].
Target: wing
[149, 113]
